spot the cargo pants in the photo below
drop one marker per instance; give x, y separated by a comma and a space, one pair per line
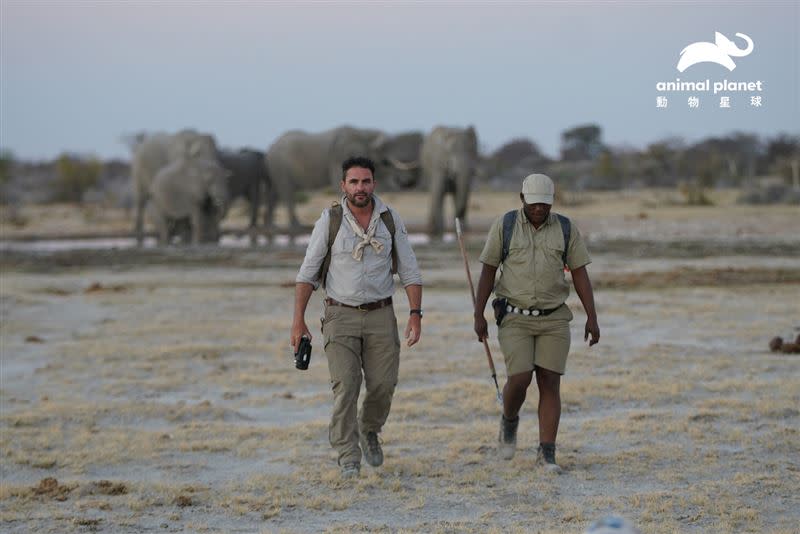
360, 344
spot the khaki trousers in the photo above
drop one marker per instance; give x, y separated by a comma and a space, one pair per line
360, 343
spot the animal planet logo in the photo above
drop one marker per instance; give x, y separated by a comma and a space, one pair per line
720, 52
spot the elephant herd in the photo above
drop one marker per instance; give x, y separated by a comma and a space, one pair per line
184, 184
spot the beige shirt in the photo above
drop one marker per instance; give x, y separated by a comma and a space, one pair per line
533, 273
354, 281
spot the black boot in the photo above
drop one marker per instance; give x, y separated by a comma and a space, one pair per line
508, 437
546, 456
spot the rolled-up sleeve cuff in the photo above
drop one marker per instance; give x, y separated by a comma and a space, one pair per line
412, 281
302, 279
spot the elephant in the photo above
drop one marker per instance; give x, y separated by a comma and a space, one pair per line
189, 188
153, 152
308, 161
449, 160
248, 178
168, 228
403, 171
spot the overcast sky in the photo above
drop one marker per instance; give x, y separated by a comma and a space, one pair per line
76, 75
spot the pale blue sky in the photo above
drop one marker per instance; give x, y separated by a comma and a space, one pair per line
78, 74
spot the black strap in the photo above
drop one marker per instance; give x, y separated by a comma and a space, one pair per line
336, 214
510, 218
388, 220
566, 229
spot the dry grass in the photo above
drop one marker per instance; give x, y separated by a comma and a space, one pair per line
181, 390
658, 212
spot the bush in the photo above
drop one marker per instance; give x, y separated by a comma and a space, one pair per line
75, 176
6, 162
694, 194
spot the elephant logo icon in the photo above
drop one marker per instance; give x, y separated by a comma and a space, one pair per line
720, 51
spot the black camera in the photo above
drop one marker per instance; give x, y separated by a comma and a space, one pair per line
303, 355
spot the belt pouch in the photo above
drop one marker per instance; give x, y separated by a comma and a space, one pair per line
500, 310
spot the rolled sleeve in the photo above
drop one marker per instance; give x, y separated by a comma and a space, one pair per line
315, 252
407, 267
577, 253
493, 249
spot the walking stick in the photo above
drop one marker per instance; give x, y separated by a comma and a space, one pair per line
472, 292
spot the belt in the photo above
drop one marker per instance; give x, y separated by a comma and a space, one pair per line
367, 306
530, 311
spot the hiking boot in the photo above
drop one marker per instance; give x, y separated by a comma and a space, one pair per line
371, 448
351, 470
508, 437
546, 456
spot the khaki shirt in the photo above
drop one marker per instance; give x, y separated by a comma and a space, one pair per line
357, 282
533, 273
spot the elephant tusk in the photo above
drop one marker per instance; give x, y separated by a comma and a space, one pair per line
403, 166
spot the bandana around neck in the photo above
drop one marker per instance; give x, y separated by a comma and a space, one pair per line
367, 238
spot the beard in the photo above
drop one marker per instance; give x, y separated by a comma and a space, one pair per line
360, 201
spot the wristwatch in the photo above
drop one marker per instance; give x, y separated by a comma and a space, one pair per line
418, 312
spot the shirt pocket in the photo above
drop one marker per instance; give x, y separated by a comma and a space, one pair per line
519, 254
554, 249
383, 236
386, 241
343, 245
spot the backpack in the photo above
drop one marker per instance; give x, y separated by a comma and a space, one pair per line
336, 215
510, 218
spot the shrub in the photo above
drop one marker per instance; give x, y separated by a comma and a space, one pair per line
75, 176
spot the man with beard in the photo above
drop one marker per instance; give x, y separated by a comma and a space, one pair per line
354, 264
534, 246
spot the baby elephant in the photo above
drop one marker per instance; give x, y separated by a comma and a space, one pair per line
192, 189
776, 344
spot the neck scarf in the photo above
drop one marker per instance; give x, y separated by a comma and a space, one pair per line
367, 238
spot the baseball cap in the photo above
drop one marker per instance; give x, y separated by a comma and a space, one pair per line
538, 189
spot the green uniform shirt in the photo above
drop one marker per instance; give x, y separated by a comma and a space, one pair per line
533, 273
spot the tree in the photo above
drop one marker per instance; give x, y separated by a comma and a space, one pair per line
666, 162
74, 176
782, 157
6, 164
582, 143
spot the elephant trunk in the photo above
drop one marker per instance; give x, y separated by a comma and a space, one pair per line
740, 52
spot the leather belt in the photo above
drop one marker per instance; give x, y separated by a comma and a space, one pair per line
530, 311
367, 306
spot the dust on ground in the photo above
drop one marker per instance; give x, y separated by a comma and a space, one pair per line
163, 396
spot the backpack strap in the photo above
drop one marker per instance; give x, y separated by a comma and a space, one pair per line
509, 219
388, 220
566, 229
335, 214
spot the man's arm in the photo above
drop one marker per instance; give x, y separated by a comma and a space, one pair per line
307, 279
302, 292
583, 287
414, 326
485, 285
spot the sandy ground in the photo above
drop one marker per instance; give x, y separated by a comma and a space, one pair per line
162, 397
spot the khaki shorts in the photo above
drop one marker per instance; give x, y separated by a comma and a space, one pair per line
529, 342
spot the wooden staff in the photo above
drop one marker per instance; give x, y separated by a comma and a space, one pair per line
472, 292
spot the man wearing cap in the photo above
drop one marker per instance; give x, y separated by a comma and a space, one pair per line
534, 320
